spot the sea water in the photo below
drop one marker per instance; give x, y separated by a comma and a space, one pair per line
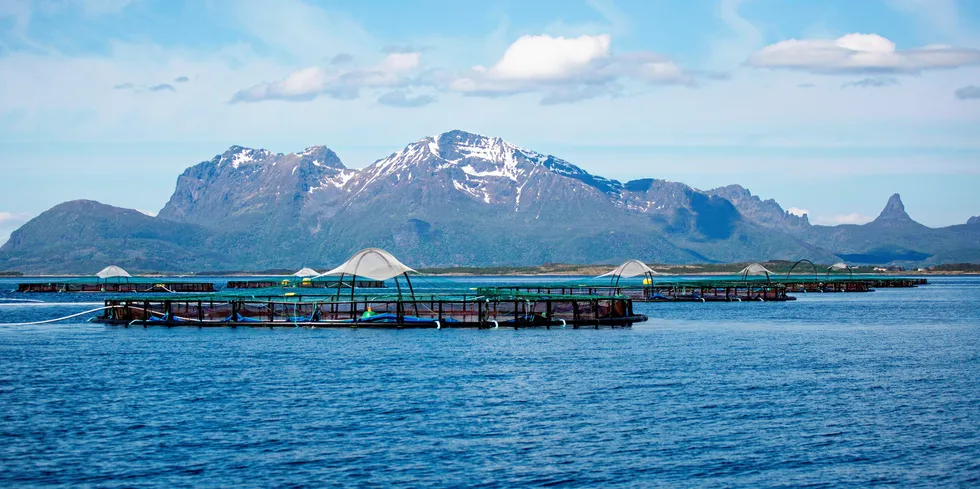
831, 390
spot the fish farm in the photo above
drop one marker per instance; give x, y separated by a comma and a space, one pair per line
681, 291
143, 287
113, 279
306, 283
516, 310
374, 290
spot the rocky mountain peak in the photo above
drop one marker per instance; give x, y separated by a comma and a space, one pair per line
458, 145
481, 157
320, 156
894, 210
766, 212
975, 220
238, 156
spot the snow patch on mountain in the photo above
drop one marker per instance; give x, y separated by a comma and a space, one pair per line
338, 180
243, 156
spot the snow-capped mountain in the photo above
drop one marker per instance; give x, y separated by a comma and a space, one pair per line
244, 184
464, 199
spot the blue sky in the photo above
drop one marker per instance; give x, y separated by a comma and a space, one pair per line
826, 106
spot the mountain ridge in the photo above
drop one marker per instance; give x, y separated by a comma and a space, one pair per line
460, 198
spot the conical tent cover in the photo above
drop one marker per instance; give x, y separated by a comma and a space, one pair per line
373, 263
112, 271
631, 268
306, 272
839, 266
755, 269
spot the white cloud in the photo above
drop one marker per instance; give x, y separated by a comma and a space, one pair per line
860, 53
343, 84
796, 211
7, 217
853, 218
10, 221
550, 58
567, 70
398, 62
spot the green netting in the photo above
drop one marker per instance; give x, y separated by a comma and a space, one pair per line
321, 295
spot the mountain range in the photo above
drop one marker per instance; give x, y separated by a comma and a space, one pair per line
452, 199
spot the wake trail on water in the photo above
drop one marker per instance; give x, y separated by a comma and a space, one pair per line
55, 320
47, 304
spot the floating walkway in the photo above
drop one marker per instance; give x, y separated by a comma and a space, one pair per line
137, 286
680, 291
285, 308
305, 283
113, 279
849, 284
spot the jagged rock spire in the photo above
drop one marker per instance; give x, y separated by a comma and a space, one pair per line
894, 210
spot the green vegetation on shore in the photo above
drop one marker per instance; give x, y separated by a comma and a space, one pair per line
957, 267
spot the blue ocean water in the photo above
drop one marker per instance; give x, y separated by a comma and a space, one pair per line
832, 390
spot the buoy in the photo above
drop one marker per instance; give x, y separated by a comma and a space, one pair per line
368, 313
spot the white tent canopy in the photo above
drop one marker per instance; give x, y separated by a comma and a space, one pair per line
372, 263
112, 271
755, 269
631, 268
306, 272
839, 266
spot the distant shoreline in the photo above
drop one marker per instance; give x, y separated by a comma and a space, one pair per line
585, 271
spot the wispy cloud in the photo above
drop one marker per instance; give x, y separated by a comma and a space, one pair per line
618, 20
796, 211
860, 53
158, 87
742, 39
341, 59
398, 98
968, 92
396, 70
872, 82
403, 49
853, 218
181, 79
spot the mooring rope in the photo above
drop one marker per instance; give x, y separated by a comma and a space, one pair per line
58, 319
